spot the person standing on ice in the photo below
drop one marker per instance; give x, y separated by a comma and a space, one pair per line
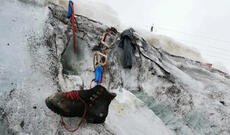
151, 28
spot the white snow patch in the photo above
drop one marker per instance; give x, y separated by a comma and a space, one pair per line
170, 45
129, 116
95, 10
220, 66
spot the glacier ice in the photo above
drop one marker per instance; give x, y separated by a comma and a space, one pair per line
184, 101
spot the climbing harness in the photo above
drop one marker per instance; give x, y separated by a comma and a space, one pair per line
71, 13
74, 95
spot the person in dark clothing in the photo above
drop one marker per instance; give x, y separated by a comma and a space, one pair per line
151, 29
127, 43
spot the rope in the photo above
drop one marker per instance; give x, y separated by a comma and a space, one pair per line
102, 74
73, 28
91, 83
74, 95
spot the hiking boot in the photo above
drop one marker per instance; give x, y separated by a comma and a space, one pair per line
73, 103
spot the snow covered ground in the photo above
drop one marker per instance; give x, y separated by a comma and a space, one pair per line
191, 99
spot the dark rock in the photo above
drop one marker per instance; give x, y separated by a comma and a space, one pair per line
222, 102
11, 92
173, 90
22, 124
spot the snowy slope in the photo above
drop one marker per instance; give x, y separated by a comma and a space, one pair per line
20, 72
176, 95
